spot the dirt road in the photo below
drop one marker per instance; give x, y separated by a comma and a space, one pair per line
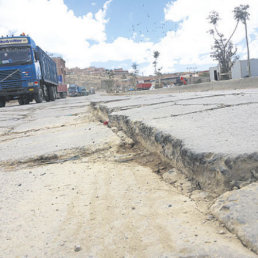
71, 187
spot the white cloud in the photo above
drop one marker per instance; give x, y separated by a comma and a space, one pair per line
56, 29
191, 44
122, 49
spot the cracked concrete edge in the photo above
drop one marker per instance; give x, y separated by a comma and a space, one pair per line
212, 172
238, 211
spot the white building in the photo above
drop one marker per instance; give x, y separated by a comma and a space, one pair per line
214, 73
240, 68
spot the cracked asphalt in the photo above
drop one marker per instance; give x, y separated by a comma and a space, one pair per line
72, 187
225, 121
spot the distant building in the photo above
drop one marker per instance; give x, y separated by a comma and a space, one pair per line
86, 71
170, 80
94, 71
214, 73
120, 71
108, 85
240, 68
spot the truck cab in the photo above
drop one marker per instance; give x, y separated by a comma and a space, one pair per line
22, 72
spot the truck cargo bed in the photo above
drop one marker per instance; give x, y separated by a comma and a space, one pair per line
48, 68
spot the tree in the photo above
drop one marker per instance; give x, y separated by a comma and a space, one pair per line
157, 71
135, 73
223, 49
110, 82
155, 62
110, 74
135, 68
242, 15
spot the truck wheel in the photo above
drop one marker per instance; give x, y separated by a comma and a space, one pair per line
2, 102
52, 93
39, 96
55, 92
21, 101
26, 101
45, 93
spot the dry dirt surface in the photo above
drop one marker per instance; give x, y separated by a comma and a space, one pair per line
103, 200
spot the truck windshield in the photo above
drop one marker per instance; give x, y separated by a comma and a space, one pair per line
15, 55
72, 89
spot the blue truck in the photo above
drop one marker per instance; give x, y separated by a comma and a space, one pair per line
27, 73
75, 91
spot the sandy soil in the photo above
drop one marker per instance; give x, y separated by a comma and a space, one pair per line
107, 207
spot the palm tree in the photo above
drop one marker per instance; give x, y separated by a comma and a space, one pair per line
135, 73
156, 56
157, 71
241, 14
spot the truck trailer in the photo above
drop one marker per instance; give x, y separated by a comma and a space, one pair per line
26, 72
62, 86
143, 86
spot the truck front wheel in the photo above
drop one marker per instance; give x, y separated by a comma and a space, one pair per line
39, 96
2, 102
26, 101
21, 101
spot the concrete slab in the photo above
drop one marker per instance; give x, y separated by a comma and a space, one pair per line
44, 122
40, 129
238, 210
160, 97
212, 136
216, 130
161, 111
55, 141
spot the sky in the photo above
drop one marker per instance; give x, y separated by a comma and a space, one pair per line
118, 33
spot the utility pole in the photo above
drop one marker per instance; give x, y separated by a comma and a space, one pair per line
248, 52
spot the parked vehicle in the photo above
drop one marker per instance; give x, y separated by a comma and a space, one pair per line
62, 87
92, 90
180, 81
62, 91
83, 91
75, 91
26, 72
143, 86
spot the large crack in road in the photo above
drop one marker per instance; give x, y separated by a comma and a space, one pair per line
89, 188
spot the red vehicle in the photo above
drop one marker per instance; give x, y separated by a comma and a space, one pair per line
143, 86
62, 91
183, 80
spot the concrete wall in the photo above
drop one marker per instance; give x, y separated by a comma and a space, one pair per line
246, 83
240, 69
236, 70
